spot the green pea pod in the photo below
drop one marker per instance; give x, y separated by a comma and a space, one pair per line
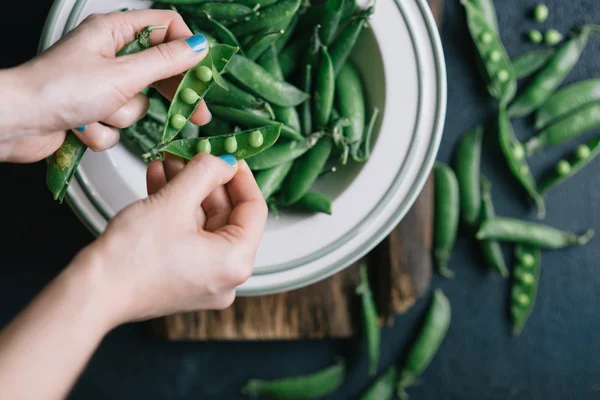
350, 101
284, 39
234, 97
447, 206
286, 115
345, 41
492, 252
283, 152
259, 3
216, 127
313, 386
178, 2
305, 108
223, 34
262, 42
488, 10
332, 15
383, 387
305, 172
224, 12
137, 142
570, 127
141, 42
531, 62
249, 120
575, 161
428, 342
276, 14
514, 153
362, 151
315, 202
530, 234
566, 101
157, 110
370, 320
260, 82
314, 15
269, 180
218, 57
188, 148
495, 63
551, 76
290, 57
468, 167
324, 90
526, 276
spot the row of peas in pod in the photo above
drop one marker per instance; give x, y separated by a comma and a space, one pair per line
561, 115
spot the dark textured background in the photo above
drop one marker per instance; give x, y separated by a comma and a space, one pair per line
556, 357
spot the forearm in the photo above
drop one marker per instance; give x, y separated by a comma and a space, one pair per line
45, 348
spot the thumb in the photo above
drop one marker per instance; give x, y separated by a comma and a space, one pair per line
163, 61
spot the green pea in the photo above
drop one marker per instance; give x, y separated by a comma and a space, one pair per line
526, 278
503, 75
178, 121
495, 56
582, 152
522, 299
231, 144
189, 96
524, 170
204, 73
541, 13
563, 167
256, 139
553, 37
487, 37
203, 146
519, 151
535, 36
527, 260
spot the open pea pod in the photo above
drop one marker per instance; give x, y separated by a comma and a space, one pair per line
181, 107
241, 145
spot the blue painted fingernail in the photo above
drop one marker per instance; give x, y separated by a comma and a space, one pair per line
229, 159
81, 128
198, 43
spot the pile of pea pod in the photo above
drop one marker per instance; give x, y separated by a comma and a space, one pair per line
561, 115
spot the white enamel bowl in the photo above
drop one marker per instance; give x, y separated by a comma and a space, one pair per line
400, 59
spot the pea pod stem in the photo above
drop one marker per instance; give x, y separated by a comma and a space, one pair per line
370, 320
530, 233
446, 216
468, 167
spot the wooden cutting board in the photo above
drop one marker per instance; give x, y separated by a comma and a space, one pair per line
399, 270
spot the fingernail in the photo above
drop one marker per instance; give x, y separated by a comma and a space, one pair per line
229, 159
198, 43
81, 128
209, 116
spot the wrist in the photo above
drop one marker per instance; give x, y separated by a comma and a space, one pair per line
21, 113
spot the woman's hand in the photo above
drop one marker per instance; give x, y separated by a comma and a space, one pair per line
79, 82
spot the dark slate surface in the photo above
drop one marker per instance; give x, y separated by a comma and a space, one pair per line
556, 357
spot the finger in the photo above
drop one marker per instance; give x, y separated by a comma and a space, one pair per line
28, 149
202, 175
134, 110
168, 87
155, 177
98, 137
217, 208
173, 166
249, 215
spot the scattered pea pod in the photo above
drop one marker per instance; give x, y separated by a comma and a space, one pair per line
269, 180
526, 276
492, 252
324, 90
63, 164
566, 101
570, 127
468, 167
350, 102
193, 87
571, 164
304, 387
279, 13
499, 72
283, 152
249, 120
447, 205
531, 62
344, 43
514, 153
241, 145
256, 79
370, 320
429, 340
332, 15
315, 202
530, 234
383, 387
551, 76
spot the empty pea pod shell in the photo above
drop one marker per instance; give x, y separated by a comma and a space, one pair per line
567, 100
570, 127
526, 277
447, 210
492, 252
514, 153
529, 63
283, 152
577, 160
312, 386
269, 180
429, 340
468, 167
384, 387
529, 233
188, 148
279, 13
218, 57
371, 328
551, 76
